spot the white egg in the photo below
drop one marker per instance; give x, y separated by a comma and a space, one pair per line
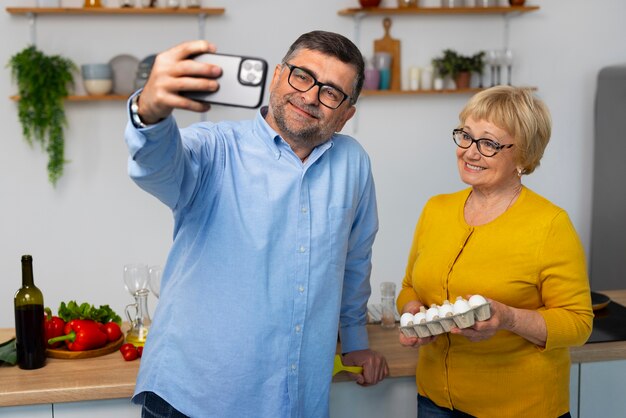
432, 313
419, 318
461, 306
446, 309
477, 300
406, 319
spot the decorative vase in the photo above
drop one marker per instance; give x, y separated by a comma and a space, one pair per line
49, 3
517, 2
462, 80
369, 3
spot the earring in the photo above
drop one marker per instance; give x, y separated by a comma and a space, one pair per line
520, 171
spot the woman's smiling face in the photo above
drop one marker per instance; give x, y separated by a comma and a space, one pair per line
489, 173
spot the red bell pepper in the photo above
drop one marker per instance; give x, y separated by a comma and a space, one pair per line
81, 335
54, 328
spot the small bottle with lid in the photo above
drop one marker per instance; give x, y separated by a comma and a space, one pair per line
29, 320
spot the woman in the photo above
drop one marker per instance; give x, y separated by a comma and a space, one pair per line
505, 242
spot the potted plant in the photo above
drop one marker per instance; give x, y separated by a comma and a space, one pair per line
43, 82
458, 66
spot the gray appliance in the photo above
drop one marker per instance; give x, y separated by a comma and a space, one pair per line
607, 264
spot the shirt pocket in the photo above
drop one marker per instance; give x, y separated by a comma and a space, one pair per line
340, 221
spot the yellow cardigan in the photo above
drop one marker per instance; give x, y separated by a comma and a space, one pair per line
530, 257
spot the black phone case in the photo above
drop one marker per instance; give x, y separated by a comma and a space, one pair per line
242, 82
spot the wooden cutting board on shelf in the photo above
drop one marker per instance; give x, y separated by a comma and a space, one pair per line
391, 46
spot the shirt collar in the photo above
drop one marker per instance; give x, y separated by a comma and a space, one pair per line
274, 141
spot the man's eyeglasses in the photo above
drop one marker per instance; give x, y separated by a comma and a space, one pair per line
301, 80
486, 147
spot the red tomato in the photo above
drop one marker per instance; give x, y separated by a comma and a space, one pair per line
126, 347
140, 350
130, 354
112, 330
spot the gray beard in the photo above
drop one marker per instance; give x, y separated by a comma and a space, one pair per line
311, 136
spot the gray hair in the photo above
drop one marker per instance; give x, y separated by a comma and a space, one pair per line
334, 45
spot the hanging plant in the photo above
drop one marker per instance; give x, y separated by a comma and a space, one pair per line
42, 83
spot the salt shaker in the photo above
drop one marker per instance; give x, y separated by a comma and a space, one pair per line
388, 309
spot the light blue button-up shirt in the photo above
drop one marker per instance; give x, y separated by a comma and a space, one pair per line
271, 258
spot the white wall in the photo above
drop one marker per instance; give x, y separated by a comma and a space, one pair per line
83, 231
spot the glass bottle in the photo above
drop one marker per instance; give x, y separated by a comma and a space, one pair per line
388, 309
140, 321
29, 320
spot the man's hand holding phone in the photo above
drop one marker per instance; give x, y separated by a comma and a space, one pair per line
172, 73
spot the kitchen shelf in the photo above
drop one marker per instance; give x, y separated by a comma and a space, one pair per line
436, 10
472, 90
418, 92
90, 98
113, 11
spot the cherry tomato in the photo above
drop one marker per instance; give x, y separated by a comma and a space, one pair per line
130, 354
126, 347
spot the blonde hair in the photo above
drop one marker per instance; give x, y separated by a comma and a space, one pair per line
521, 114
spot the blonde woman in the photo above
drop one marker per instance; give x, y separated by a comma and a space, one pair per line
501, 240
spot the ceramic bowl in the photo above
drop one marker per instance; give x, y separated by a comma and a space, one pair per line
98, 86
96, 71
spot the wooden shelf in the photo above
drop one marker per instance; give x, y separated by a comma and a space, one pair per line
114, 11
379, 93
436, 10
418, 92
90, 98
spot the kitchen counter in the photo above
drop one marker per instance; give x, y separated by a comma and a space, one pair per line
110, 377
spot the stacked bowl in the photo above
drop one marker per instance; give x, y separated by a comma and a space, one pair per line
97, 78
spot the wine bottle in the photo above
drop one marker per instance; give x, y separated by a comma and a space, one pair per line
29, 320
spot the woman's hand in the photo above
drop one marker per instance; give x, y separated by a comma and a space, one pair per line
525, 323
414, 307
415, 342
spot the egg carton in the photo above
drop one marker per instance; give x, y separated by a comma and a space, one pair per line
443, 325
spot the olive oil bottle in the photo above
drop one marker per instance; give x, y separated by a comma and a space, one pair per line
29, 320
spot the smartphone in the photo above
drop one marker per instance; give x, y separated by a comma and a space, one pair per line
242, 82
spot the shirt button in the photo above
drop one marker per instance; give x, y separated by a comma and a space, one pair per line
302, 249
293, 367
304, 209
298, 328
301, 289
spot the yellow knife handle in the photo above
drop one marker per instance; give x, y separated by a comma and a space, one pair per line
353, 369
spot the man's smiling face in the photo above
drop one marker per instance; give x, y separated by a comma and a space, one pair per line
299, 117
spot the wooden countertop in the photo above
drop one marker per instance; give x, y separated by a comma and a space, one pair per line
110, 377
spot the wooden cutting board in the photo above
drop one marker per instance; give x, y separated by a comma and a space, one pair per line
392, 46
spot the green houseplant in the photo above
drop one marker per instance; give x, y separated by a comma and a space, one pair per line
459, 66
43, 82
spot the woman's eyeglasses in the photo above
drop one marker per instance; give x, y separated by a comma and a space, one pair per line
487, 147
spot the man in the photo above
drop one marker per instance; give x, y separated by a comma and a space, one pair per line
274, 224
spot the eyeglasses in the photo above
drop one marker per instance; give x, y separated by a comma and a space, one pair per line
301, 80
486, 147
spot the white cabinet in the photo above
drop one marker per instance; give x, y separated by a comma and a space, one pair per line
393, 397
108, 408
397, 397
602, 389
29, 411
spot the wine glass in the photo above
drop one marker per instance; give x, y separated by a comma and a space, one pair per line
507, 59
136, 278
155, 273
